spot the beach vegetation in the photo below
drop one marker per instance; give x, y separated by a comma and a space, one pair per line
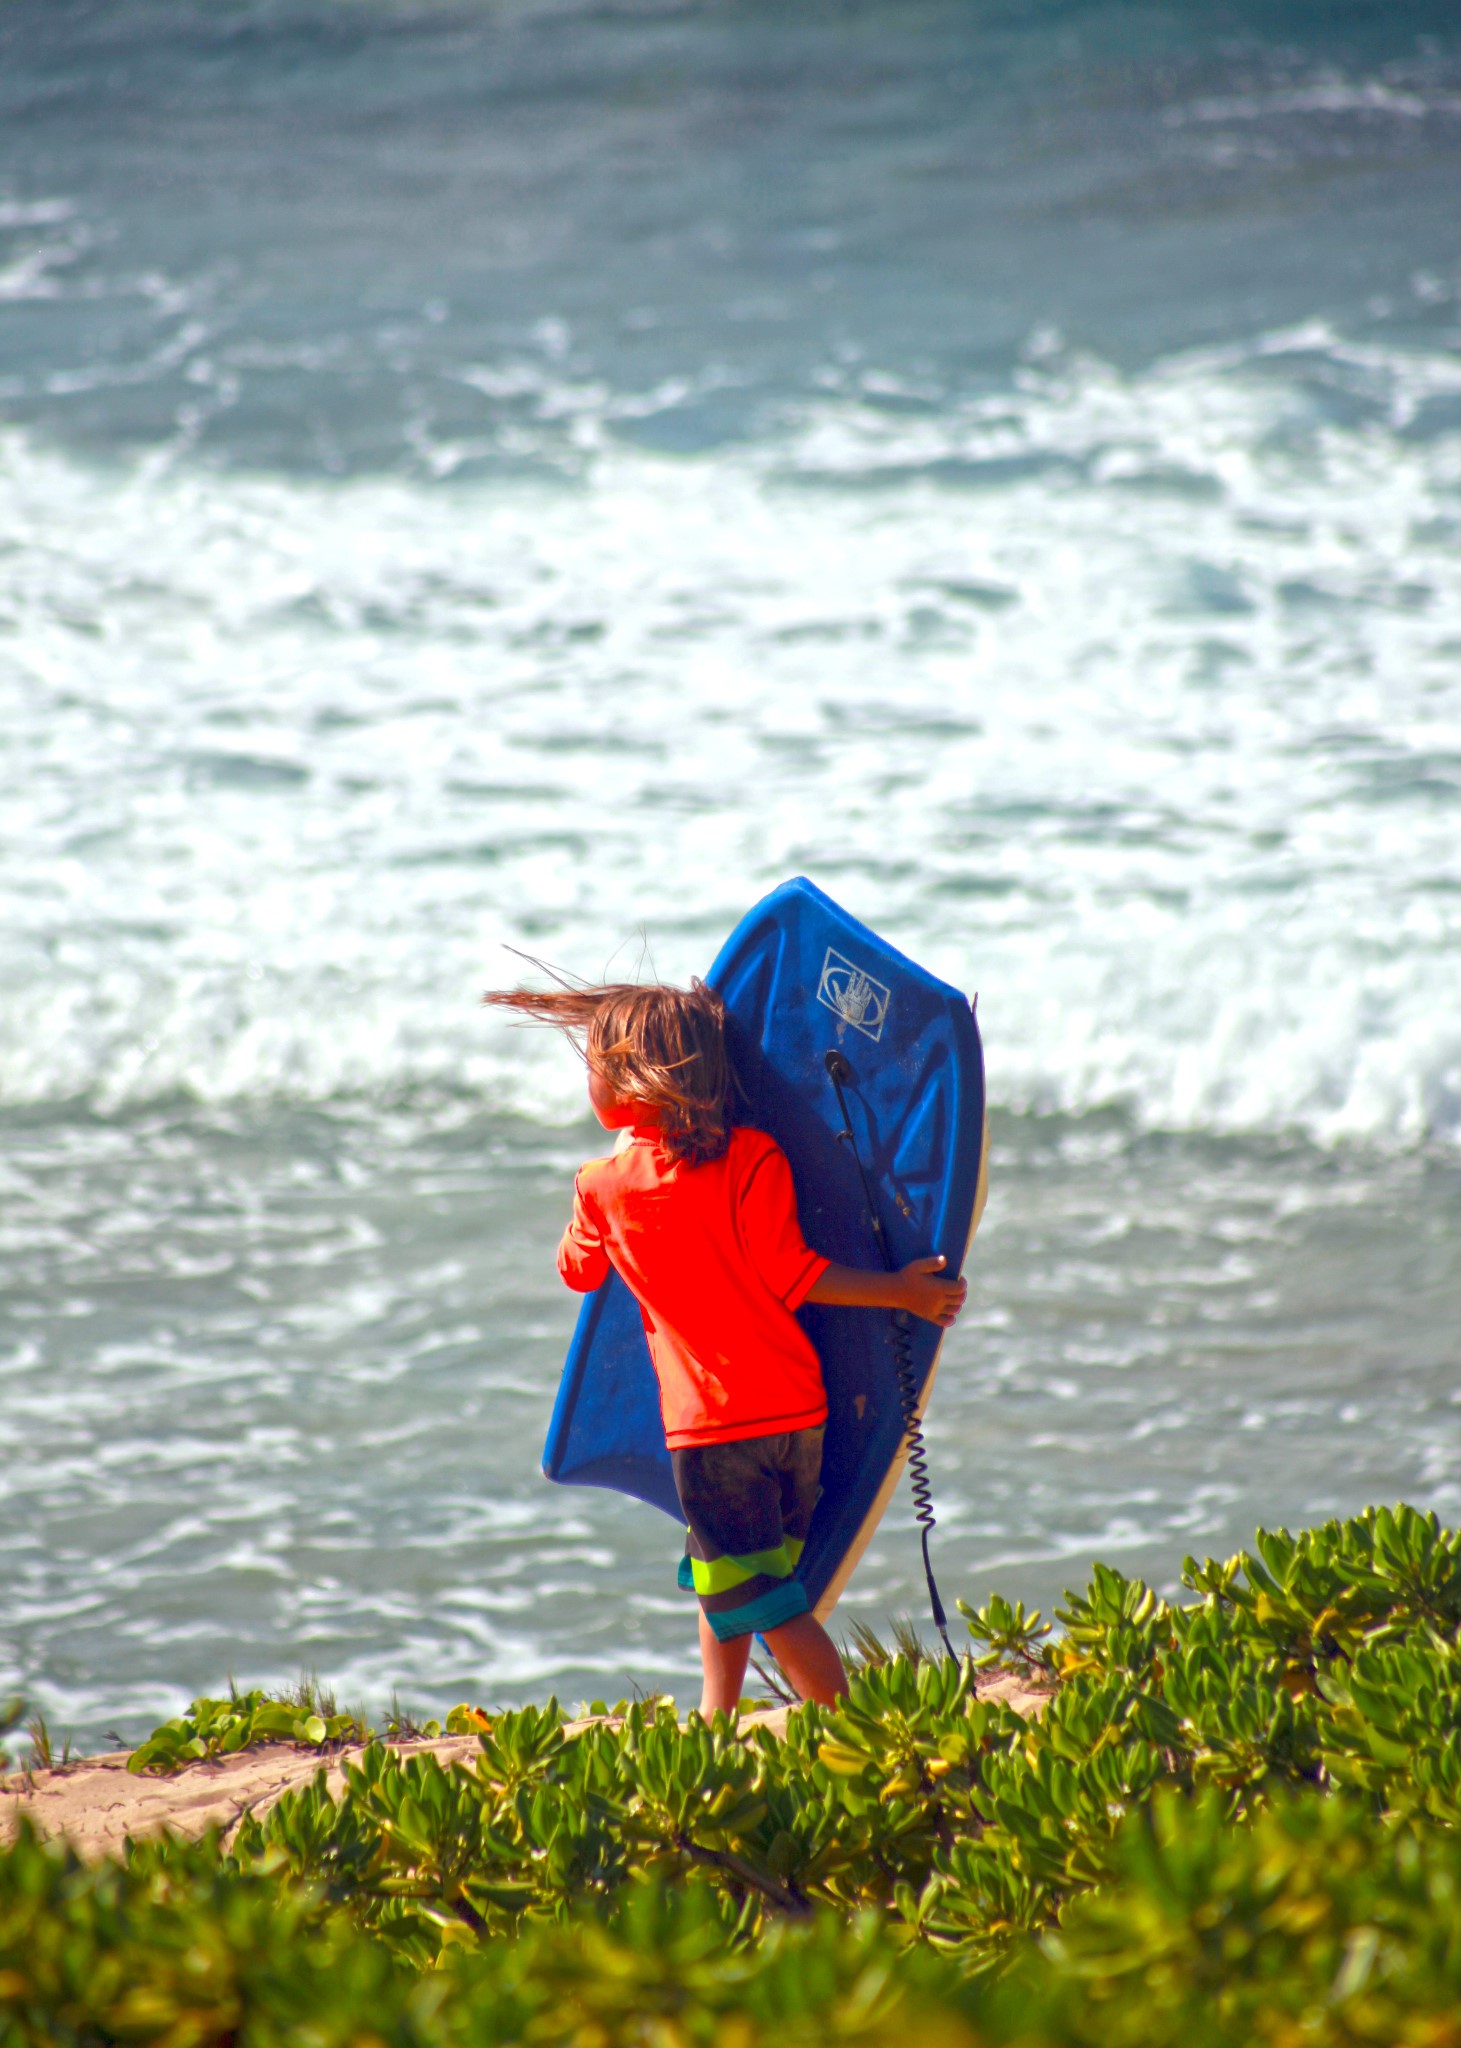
216, 1728
1235, 1821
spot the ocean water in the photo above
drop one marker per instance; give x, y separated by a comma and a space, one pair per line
485, 476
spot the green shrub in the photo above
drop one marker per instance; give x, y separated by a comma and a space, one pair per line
214, 1728
1306, 1924
179, 1945
1235, 1822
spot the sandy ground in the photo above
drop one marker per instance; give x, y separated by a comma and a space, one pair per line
98, 1804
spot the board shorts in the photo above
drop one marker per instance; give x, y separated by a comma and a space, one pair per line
748, 1506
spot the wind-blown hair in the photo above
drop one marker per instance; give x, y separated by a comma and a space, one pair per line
654, 1044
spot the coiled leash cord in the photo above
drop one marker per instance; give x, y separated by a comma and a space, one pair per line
839, 1070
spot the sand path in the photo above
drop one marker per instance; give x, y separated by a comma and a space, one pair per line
97, 1804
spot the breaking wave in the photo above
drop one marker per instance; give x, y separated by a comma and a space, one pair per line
1131, 702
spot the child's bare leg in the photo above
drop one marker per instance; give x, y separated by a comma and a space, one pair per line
724, 1665
808, 1656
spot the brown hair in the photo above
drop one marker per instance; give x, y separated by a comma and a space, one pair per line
654, 1044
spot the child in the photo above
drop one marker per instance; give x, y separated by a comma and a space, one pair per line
698, 1218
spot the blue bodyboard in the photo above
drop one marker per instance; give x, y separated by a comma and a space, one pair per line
800, 978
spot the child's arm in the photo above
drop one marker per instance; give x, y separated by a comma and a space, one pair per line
918, 1289
583, 1264
769, 1227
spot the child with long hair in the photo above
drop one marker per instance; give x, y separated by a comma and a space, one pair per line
697, 1215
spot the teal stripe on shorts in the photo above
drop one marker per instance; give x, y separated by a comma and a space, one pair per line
783, 1603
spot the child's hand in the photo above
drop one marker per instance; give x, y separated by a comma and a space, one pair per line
926, 1294
919, 1290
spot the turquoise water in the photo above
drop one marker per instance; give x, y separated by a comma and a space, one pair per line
538, 476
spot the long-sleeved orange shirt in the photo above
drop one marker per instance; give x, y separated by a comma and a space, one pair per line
715, 1257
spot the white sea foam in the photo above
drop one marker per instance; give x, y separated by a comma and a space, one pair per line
1328, 93
1131, 703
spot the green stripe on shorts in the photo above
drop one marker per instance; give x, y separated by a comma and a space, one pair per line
721, 1574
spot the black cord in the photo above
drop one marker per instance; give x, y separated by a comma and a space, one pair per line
839, 1069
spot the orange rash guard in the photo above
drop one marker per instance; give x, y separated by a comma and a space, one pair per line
715, 1257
